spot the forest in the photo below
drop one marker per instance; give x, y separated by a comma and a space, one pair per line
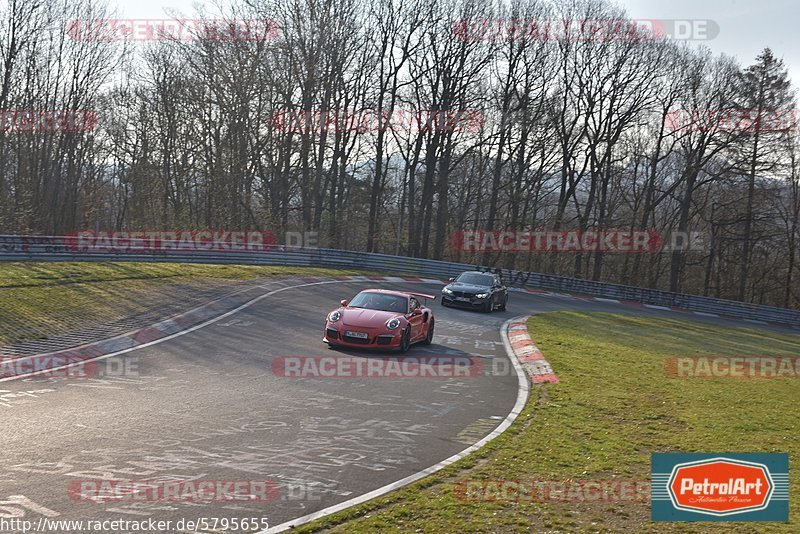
391, 125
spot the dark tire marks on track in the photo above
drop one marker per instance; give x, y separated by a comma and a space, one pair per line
207, 406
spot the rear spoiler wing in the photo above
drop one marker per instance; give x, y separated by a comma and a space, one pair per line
423, 295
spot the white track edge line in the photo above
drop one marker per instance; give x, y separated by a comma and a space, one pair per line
172, 336
522, 397
523, 390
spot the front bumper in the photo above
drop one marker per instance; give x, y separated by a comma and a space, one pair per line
473, 302
336, 336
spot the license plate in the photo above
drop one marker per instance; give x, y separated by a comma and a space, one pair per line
360, 335
462, 299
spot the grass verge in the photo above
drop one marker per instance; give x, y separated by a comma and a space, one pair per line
37, 274
613, 407
41, 299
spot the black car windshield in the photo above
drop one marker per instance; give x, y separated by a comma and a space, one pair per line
476, 279
380, 301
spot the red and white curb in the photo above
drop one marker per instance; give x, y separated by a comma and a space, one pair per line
165, 330
532, 359
529, 356
523, 390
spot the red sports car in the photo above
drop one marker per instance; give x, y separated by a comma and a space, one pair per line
379, 318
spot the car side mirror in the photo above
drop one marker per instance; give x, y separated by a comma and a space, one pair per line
452, 279
344, 303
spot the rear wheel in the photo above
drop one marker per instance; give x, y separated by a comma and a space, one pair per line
405, 341
429, 339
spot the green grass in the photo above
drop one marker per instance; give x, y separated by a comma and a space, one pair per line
29, 274
613, 407
41, 299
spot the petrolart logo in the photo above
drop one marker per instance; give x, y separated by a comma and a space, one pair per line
720, 487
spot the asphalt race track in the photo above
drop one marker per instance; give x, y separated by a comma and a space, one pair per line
207, 406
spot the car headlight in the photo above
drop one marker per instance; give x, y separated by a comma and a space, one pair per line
335, 316
391, 324
447, 291
482, 295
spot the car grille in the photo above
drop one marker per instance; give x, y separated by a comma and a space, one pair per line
357, 340
332, 334
384, 340
462, 294
466, 304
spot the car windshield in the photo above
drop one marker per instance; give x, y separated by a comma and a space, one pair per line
380, 301
476, 279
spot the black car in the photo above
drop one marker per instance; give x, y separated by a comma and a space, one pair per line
477, 290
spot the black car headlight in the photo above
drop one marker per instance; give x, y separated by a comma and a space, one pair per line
447, 291
482, 295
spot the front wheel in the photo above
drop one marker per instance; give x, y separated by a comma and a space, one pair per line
488, 305
505, 302
405, 341
429, 339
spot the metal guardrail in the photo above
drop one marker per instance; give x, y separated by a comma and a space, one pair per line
53, 248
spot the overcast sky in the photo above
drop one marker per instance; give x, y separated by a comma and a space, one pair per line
745, 26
